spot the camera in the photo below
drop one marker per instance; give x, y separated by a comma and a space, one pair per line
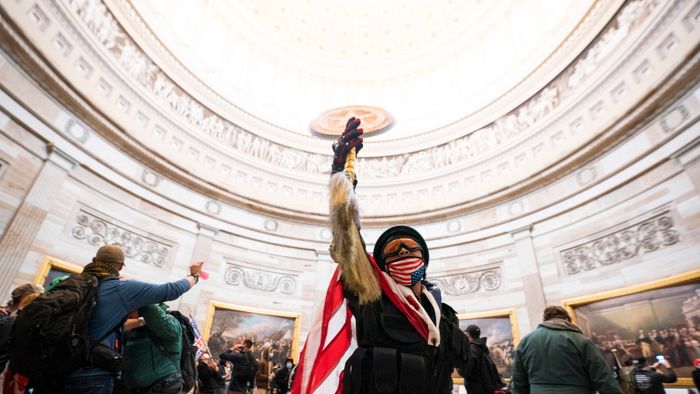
660, 358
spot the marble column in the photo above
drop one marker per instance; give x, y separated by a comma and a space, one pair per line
25, 224
202, 248
530, 274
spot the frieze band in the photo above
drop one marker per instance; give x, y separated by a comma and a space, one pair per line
635, 240
259, 279
469, 282
136, 63
98, 231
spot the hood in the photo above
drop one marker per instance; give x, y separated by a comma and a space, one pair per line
560, 324
481, 344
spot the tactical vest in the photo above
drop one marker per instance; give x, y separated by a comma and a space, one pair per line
393, 358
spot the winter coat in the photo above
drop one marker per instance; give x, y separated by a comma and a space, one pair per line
480, 374
262, 376
557, 358
145, 361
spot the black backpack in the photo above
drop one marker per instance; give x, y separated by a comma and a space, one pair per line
188, 362
249, 369
6, 322
49, 338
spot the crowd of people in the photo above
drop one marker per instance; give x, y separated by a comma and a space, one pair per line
99, 332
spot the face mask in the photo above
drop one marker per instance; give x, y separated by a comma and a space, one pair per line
289, 365
408, 271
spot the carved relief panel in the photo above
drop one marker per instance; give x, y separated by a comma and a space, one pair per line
98, 229
639, 238
261, 279
469, 281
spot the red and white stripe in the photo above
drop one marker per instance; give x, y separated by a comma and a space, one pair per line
401, 270
332, 340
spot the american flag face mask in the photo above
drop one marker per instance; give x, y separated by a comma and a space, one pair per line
408, 271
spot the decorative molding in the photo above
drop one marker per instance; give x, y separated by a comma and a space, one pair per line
640, 238
260, 279
98, 229
674, 118
462, 283
77, 130
213, 207
271, 225
331, 123
150, 178
103, 25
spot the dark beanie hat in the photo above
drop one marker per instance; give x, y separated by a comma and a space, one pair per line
398, 232
112, 254
473, 330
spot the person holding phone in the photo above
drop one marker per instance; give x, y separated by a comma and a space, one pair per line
651, 379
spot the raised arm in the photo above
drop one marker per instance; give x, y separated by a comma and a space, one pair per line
347, 248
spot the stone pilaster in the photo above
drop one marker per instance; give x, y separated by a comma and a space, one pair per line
24, 226
202, 248
325, 266
530, 274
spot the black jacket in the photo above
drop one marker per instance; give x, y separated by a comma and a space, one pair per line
480, 374
211, 380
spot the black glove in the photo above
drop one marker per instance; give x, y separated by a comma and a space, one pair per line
351, 138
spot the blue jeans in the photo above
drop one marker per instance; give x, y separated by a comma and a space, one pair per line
100, 384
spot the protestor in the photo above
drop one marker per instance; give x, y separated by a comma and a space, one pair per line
8, 314
556, 358
262, 375
15, 383
650, 379
280, 378
152, 353
244, 367
407, 339
210, 375
480, 373
84, 353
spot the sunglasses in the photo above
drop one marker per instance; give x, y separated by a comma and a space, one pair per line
393, 248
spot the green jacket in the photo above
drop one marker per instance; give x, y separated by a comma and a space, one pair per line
557, 358
145, 362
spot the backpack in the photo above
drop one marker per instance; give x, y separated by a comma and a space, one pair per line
188, 353
49, 338
5, 331
249, 369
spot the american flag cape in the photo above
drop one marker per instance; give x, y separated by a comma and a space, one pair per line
198, 339
331, 339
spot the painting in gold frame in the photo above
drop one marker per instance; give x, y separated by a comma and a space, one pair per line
52, 268
501, 329
228, 324
661, 317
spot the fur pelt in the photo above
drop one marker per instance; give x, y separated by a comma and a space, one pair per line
347, 248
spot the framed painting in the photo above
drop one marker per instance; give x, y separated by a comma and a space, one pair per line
501, 330
659, 318
275, 331
52, 268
